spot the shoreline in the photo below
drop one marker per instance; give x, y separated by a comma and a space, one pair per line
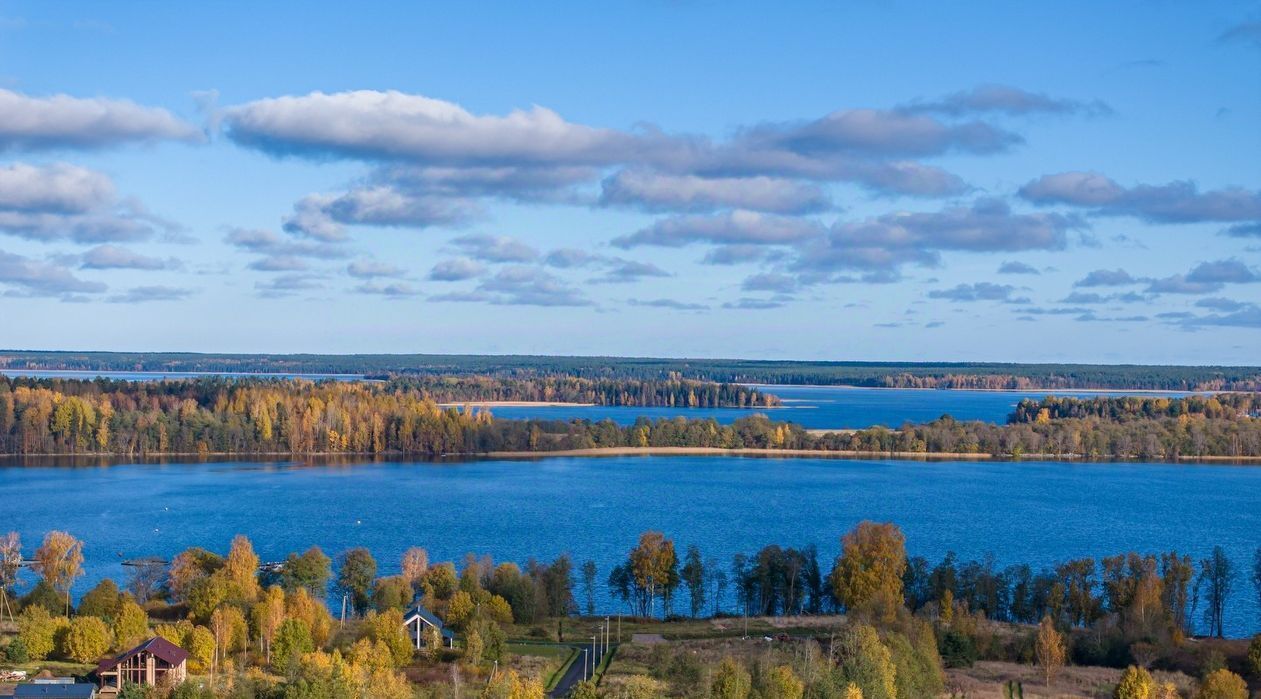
826, 453
14, 460
1049, 391
514, 404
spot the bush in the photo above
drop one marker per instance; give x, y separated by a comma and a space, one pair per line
1222, 684
956, 649
16, 652
87, 639
38, 631
1254, 656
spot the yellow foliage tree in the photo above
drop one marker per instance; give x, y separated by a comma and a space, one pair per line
1049, 649
868, 573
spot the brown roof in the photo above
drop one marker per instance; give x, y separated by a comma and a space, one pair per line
161, 648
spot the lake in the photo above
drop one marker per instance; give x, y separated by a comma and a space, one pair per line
1035, 512
827, 407
812, 407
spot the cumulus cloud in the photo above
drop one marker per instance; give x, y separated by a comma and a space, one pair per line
114, 257
731, 228
394, 126
668, 304
146, 294
734, 254
279, 263
567, 258
456, 269
393, 290
1006, 100
273, 245
1107, 277
1246, 317
287, 285
495, 248
1221, 304
1230, 271
654, 191
324, 216
752, 304
68, 202
1016, 267
1179, 284
61, 121
892, 240
433, 148
521, 285
1175, 202
371, 269
27, 277
770, 281
622, 271
980, 291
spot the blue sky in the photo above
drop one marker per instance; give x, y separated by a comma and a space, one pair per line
918, 181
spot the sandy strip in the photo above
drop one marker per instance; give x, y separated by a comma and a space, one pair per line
824, 453
513, 404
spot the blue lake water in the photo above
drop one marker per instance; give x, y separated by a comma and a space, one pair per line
812, 407
1035, 512
825, 407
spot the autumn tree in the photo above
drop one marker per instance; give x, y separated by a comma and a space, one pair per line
653, 566
865, 662
309, 570
1049, 649
293, 638
356, 569
59, 560
1222, 684
731, 681
10, 564
415, 565
240, 569
780, 682
87, 639
130, 624
38, 630
1136, 683
266, 617
868, 573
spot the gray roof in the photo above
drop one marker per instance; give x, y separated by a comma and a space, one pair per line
429, 617
51, 690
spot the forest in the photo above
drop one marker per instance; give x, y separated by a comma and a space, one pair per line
265, 630
941, 375
278, 416
670, 393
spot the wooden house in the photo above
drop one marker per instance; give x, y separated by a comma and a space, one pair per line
419, 620
156, 662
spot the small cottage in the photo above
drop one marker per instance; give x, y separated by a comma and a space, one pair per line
418, 620
155, 662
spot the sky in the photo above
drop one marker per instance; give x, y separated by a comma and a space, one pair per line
1045, 182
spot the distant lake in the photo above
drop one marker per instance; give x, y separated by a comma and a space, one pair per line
165, 375
812, 407
1035, 512
826, 407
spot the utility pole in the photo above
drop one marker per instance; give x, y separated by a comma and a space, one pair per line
606, 634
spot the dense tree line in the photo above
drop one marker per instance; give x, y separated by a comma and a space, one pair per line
228, 416
872, 374
670, 393
1122, 408
256, 629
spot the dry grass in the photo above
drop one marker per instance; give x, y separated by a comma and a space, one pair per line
985, 680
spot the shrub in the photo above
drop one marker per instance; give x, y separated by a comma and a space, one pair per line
956, 649
86, 640
1222, 684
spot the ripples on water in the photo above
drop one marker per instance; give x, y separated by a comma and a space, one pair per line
1035, 512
